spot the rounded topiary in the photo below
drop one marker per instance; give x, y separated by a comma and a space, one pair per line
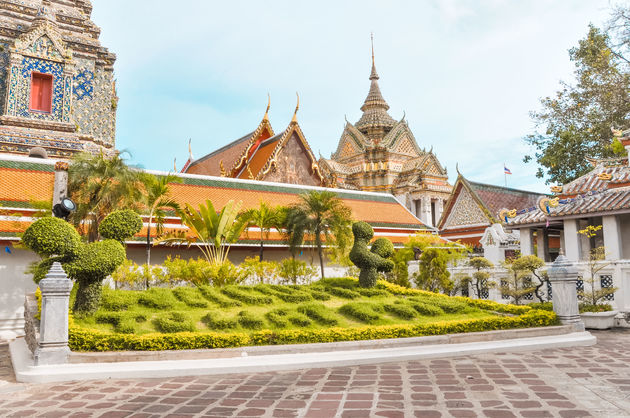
120, 225
51, 236
370, 262
93, 263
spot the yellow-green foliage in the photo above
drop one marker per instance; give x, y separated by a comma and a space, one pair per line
82, 339
191, 297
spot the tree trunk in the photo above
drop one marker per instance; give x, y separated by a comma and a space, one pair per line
146, 281
320, 251
261, 245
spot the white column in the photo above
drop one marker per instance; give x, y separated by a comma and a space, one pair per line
439, 207
572, 244
527, 247
612, 237
426, 211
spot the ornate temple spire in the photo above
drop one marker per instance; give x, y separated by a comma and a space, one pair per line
375, 107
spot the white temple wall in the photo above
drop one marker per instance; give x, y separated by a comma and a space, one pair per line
14, 284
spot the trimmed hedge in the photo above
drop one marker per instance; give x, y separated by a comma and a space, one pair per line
245, 295
81, 339
213, 295
157, 298
118, 300
342, 292
120, 225
51, 236
318, 313
401, 311
361, 311
174, 322
250, 321
426, 309
190, 297
214, 321
319, 295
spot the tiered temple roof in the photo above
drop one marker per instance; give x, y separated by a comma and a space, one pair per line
474, 206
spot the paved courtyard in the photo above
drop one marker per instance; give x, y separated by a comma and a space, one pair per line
588, 381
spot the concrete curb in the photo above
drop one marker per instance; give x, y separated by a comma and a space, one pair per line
26, 372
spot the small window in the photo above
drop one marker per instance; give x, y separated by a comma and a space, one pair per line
41, 92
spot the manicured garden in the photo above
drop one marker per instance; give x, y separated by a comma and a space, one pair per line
326, 311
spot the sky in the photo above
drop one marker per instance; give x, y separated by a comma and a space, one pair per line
466, 73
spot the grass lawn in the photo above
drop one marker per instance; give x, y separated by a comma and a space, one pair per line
249, 309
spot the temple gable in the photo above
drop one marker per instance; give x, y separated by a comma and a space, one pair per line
465, 211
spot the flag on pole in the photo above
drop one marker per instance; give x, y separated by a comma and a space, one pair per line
506, 170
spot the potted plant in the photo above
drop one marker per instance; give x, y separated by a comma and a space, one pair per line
596, 314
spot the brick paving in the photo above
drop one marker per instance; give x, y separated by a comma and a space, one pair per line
567, 383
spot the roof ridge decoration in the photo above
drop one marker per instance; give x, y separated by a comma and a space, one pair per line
393, 137
352, 132
238, 165
272, 161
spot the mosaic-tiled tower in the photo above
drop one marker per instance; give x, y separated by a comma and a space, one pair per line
57, 88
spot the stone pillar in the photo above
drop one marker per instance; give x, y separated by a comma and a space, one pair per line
612, 237
439, 208
563, 275
61, 182
572, 244
527, 247
52, 347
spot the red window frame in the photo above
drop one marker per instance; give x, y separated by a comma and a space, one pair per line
41, 92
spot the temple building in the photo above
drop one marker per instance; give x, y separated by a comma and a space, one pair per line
263, 155
381, 154
57, 88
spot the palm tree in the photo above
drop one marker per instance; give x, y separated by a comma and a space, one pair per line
100, 185
157, 198
321, 215
213, 231
265, 218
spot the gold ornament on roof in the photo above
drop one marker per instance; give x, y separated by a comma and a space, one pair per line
223, 172
604, 176
266, 117
250, 174
297, 107
556, 189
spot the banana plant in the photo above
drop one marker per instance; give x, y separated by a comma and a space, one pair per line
213, 231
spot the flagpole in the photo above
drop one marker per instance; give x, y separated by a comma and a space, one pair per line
504, 174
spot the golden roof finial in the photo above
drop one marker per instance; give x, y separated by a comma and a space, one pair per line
175, 164
223, 172
266, 117
250, 174
297, 107
190, 148
372, 38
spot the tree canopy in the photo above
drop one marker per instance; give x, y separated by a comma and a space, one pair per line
576, 122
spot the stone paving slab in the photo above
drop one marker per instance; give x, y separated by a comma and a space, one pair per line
578, 382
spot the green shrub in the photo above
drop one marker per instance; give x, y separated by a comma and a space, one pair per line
261, 271
299, 319
278, 317
425, 309
450, 305
545, 306
589, 307
126, 327
245, 295
202, 272
371, 292
174, 322
215, 321
157, 298
250, 321
360, 311
120, 225
190, 297
318, 313
296, 271
342, 292
118, 300
123, 322
401, 311
51, 236
81, 339
345, 282
91, 265
319, 295
213, 295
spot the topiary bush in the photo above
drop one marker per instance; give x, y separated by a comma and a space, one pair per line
278, 317
370, 262
92, 264
299, 319
118, 300
246, 295
426, 309
401, 311
120, 225
52, 236
342, 292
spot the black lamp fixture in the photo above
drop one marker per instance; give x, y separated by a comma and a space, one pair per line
64, 209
